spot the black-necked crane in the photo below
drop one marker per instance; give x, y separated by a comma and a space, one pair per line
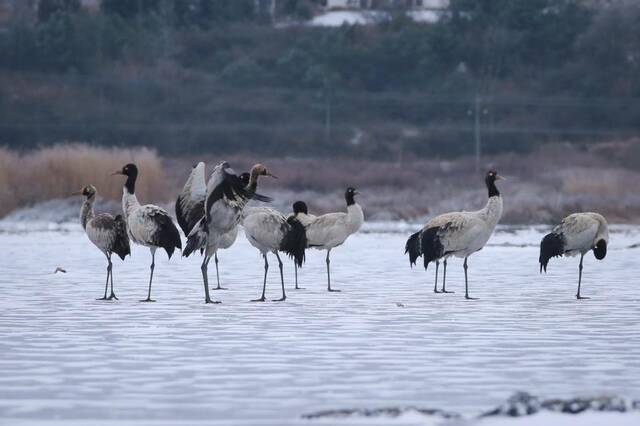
106, 232
227, 239
458, 234
190, 201
190, 209
227, 196
301, 212
577, 234
331, 230
270, 231
147, 225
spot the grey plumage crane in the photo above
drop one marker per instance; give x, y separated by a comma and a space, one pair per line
578, 233
106, 232
331, 230
190, 209
301, 212
147, 225
270, 231
227, 196
457, 234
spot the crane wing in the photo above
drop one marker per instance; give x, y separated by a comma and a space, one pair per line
327, 229
190, 203
457, 231
229, 187
579, 231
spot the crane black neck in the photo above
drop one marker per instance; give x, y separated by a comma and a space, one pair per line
493, 190
349, 197
300, 207
130, 184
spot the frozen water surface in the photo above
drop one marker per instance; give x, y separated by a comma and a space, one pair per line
386, 340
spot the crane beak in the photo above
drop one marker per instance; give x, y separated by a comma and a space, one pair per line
498, 177
356, 192
119, 172
271, 175
77, 192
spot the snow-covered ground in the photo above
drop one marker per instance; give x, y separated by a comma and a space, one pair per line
385, 341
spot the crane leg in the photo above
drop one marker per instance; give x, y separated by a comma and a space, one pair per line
264, 284
444, 278
295, 266
112, 295
580, 279
215, 258
106, 286
284, 296
329, 273
205, 279
435, 286
466, 282
153, 265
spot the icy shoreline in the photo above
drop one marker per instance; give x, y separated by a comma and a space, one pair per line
521, 408
385, 341
624, 235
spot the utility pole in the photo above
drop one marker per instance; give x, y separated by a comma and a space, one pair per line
139, 16
476, 130
327, 111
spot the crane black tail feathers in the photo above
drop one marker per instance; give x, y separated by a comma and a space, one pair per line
600, 250
172, 241
294, 242
414, 248
552, 245
122, 249
432, 247
121, 246
197, 238
424, 243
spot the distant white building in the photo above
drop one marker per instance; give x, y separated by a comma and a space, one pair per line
346, 4
370, 12
12, 11
430, 4
91, 5
383, 4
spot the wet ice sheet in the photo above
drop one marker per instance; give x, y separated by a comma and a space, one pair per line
385, 340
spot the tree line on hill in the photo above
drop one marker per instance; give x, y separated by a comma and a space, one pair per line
187, 76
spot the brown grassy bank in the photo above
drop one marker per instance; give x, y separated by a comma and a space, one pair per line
542, 187
56, 172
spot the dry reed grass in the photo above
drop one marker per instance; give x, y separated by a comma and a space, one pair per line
542, 186
56, 172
